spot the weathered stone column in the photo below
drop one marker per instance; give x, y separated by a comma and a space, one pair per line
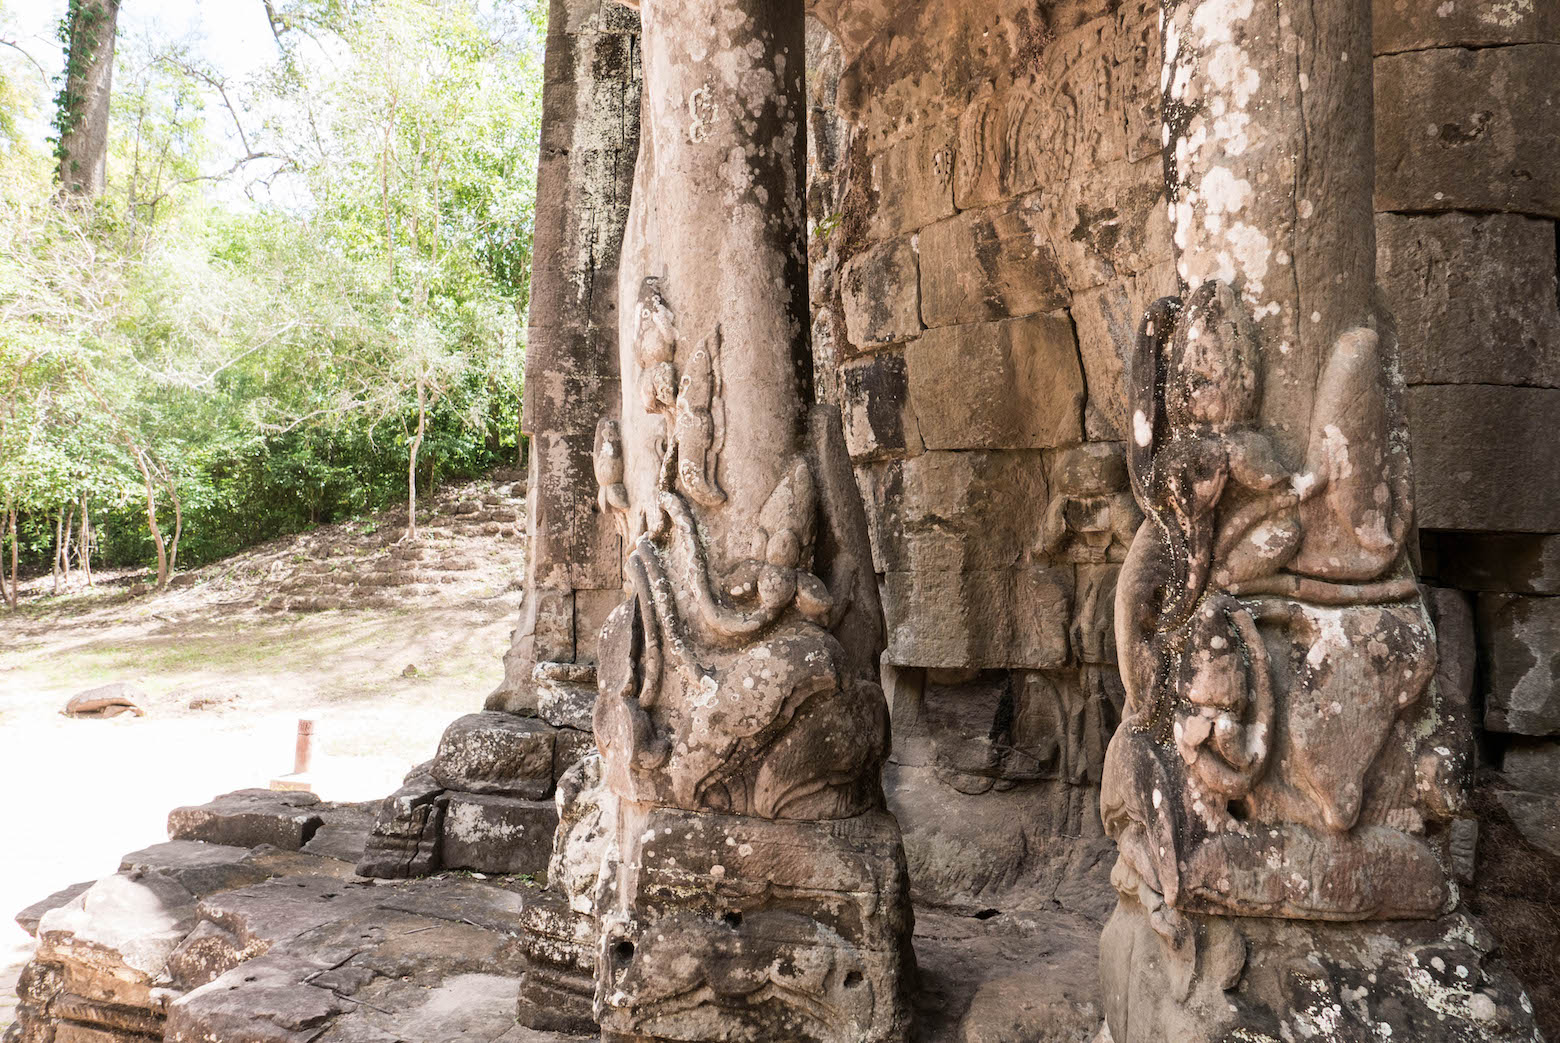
1284, 785
590, 136
748, 882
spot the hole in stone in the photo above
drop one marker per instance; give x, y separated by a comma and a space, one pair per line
251, 978
1238, 810
852, 979
986, 914
623, 952
732, 919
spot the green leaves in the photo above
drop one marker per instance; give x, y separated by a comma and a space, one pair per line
266, 352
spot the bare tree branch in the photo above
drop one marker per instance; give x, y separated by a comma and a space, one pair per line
42, 72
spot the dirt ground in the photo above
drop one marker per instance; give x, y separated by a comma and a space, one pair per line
224, 682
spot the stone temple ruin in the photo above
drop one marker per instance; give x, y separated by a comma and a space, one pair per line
1040, 529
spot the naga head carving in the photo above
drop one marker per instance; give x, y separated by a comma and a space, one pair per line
1212, 376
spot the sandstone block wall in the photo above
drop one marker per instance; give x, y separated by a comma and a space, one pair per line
988, 227
1467, 197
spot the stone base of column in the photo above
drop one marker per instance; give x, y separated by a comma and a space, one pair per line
558, 989
1173, 978
737, 928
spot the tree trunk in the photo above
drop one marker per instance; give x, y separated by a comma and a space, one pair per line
59, 548
69, 510
411, 467
151, 518
83, 115
178, 528
11, 519
84, 549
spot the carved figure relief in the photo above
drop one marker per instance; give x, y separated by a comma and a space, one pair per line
1271, 636
741, 669
687, 399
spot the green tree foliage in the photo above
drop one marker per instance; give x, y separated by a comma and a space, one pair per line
227, 347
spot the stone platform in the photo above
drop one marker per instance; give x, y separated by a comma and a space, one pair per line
263, 932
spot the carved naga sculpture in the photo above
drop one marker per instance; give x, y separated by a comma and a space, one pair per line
1271, 635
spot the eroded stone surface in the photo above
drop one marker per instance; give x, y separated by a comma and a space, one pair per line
497, 753
495, 834
1401, 25
1015, 384
1468, 130
881, 295
1477, 293
1519, 637
249, 817
1276, 979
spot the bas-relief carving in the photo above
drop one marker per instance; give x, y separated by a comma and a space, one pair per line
1274, 644
743, 755
691, 705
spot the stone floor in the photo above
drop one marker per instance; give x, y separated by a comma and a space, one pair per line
250, 926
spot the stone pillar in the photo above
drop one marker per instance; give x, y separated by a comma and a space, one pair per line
746, 879
1283, 785
493, 777
590, 136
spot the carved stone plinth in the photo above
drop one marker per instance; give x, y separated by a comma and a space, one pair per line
735, 927
1271, 981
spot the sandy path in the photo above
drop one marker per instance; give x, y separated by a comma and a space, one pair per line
84, 792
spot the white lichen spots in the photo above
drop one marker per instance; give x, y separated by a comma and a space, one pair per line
1316, 316
701, 113
718, 871
1482, 1008
1159, 798
1305, 82
1252, 251
1507, 14
1223, 192
1331, 640
1215, 21
1142, 430
745, 850
1445, 10
1305, 208
1335, 450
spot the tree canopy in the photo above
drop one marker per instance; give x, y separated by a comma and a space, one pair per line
229, 343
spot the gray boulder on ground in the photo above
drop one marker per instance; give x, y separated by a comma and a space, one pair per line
110, 700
